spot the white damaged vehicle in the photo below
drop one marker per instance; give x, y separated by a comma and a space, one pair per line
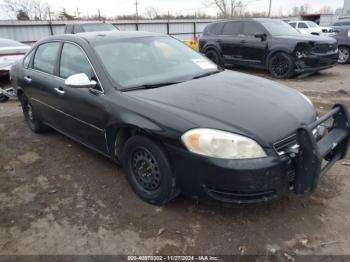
10, 52
311, 28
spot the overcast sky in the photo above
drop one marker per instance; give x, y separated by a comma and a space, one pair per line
119, 7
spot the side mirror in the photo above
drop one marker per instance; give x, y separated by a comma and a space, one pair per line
260, 35
80, 81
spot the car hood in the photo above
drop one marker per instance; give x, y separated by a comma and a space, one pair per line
307, 38
255, 107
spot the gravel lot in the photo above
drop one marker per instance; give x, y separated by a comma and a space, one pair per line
57, 197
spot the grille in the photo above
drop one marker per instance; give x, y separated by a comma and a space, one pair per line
285, 144
324, 48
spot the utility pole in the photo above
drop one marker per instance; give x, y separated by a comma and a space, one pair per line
270, 8
99, 14
137, 9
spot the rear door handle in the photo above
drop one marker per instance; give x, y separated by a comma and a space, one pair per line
59, 90
27, 79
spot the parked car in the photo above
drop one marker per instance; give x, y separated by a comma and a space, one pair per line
340, 24
343, 38
176, 121
74, 28
311, 28
267, 43
10, 52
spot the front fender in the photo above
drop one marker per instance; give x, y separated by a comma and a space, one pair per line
278, 49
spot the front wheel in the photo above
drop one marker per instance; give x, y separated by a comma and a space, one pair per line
344, 55
31, 118
149, 171
281, 66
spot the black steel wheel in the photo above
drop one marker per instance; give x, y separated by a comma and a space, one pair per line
281, 65
149, 171
32, 120
214, 56
146, 169
344, 55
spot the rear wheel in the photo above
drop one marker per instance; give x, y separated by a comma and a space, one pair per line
149, 171
31, 118
281, 65
344, 55
214, 56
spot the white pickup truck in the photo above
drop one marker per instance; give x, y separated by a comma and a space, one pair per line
311, 28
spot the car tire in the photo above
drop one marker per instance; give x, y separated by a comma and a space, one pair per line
148, 170
214, 56
3, 98
281, 65
344, 55
31, 118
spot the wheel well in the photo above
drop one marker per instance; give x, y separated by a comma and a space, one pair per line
344, 46
273, 54
19, 93
118, 136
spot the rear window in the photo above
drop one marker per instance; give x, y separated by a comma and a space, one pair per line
232, 28
98, 27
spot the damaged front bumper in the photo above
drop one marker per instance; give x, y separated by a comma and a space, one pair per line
297, 168
314, 63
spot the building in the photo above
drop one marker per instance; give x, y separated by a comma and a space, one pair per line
346, 8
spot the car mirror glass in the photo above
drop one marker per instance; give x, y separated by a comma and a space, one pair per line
80, 81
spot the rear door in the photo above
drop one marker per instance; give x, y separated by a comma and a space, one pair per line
230, 41
40, 82
253, 49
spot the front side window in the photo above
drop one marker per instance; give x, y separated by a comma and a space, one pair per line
232, 28
45, 57
312, 24
251, 28
74, 61
134, 62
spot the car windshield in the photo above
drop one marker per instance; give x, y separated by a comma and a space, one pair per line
312, 24
141, 61
98, 27
276, 28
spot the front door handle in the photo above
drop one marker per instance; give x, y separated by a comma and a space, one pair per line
27, 79
59, 90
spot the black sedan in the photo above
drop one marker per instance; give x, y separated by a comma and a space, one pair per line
175, 121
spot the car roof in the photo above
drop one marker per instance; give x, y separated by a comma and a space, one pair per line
93, 37
247, 20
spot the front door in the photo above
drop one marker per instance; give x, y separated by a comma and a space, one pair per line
84, 109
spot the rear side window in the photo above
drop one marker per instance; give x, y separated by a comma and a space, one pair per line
251, 28
45, 57
302, 25
293, 25
74, 61
232, 28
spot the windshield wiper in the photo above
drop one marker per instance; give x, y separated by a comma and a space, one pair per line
149, 86
208, 74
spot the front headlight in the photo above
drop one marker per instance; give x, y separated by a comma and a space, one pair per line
221, 144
